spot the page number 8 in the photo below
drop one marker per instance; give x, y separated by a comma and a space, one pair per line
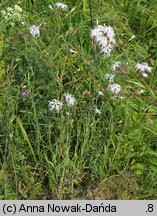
150, 208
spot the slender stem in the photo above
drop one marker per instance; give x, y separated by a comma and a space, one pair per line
92, 23
91, 16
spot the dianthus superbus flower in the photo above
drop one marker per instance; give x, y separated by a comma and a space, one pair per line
55, 105
104, 38
109, 77
69, 99
114, 88
62, 6
116, 65
26, 93
34, 31
143, 68
97, 111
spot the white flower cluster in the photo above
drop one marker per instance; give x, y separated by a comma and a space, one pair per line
97, 111
116, 65
12, 14
57, 105
69, 99
143, 68
34, 31
104, 38
62, 6
110, 77
114, 88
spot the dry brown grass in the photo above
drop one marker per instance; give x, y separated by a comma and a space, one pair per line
117, 187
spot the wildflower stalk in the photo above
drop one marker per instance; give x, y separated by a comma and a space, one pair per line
84, 6
92, 25
91, 15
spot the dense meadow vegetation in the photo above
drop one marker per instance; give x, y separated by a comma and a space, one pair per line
78, 116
